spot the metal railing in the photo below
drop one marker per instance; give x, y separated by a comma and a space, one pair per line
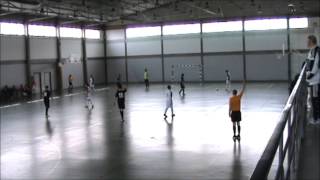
285, 145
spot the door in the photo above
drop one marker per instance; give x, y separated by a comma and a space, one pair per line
37, 82
47, 80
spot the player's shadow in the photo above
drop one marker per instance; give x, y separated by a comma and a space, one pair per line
182, 98
89, 117
237, 172
170, 139
49, 129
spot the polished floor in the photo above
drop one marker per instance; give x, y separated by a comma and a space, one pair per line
74, 143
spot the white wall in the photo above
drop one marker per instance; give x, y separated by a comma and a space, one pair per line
70, 46
94, 48
179, 44
222, 42
115, 43
144, 46
266, 40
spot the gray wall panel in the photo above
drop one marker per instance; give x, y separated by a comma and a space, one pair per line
12, 48
266, 40
94, 48
77, 72
266, 67
43, 48
136, 69
70, 46
115, 48
181, 44
222, 42
115, 34
97, 69
116, 67
215, 66
12, 74
191, 74
144, 46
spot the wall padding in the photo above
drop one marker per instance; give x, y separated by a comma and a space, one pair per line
136, 68
183, 63
97, 69
215, 66
265, 67
116, 67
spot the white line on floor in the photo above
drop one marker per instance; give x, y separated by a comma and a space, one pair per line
38, 100
11, 105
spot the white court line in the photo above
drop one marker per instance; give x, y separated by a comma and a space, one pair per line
67, 95
102, 89
38, 100
11, 105
56, 97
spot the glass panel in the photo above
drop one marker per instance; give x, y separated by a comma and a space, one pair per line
181, 29
11, 29
222, 26
70, 32
298, 23
35, 30
93, 34
265, 24
143, 32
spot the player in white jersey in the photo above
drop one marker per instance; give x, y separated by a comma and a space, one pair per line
169, 102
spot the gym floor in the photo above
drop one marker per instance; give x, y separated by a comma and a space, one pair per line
74, 143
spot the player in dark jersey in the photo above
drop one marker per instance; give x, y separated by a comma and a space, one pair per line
46, 99
182, 86
120, 95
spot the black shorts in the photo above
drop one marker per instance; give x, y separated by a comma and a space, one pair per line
47, 104
121, 104
70, 84
146, 81
235, 116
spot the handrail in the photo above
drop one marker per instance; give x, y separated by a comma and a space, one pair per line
293, 115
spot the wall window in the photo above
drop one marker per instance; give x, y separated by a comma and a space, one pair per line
298, 23
143, 32
35, 30
181, 29
93, 34
70, 32
222, 26
12, 29
265, 24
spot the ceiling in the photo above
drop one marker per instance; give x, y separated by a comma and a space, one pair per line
115, 13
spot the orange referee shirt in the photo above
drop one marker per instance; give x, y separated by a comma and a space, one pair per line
235, 102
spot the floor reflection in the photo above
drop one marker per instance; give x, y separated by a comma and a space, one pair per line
49, 129
236, 162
